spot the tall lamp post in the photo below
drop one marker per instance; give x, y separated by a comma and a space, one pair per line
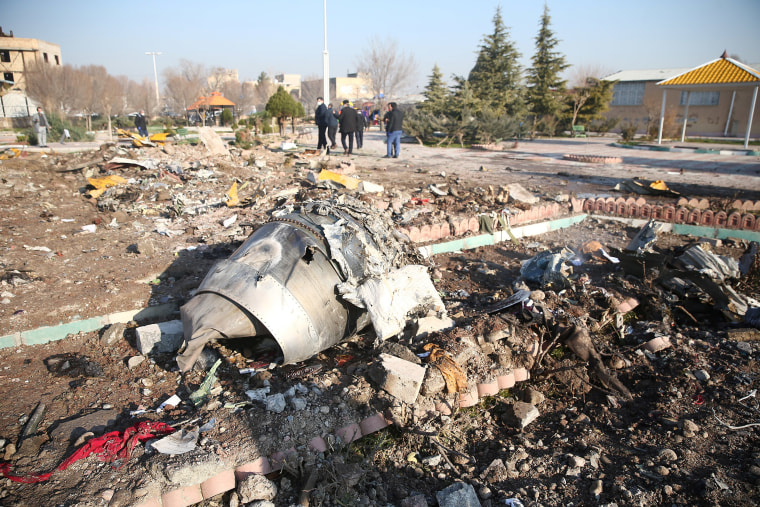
326, 64
155, 74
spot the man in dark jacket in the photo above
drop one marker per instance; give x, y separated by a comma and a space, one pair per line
332, 125
320, 118
393, 127
347, 127
361, 124
140, 123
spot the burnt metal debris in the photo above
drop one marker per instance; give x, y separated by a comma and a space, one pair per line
313, 275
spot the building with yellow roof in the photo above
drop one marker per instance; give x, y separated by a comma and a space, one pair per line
714, 99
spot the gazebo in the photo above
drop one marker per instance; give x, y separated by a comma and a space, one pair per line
213, 102
721, 73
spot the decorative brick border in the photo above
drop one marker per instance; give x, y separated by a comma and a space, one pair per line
593, 159
685, 211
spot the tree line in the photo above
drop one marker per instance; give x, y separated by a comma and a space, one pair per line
499, 100
89, 89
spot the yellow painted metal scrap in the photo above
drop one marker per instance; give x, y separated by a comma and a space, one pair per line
101, 184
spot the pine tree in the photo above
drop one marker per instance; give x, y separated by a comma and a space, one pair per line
496, 77
546, 90
435, 93
282, 105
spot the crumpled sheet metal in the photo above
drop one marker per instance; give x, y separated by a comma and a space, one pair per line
303, 279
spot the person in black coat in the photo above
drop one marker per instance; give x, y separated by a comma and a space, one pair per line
320, 118
332, 125
140, 123
361, 124
393, 128
347, 127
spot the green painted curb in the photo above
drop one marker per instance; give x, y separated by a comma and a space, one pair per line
53, 333
717, 233
500, 236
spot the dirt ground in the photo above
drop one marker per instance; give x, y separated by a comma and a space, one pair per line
687, 435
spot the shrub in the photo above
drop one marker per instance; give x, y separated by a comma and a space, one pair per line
605, 125
628, 132
243, 139
226, 117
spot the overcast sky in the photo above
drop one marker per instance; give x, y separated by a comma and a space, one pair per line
288, 36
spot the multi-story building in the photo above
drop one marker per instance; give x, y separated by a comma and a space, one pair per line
291, 83
17, 55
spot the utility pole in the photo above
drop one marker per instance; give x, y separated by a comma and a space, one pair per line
326, 64
155, 74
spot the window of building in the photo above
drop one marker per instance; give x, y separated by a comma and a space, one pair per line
45, 57
701, 98
8, 76
57, 60
628, 94
5, 55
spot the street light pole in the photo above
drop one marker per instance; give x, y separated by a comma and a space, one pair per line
155, 74
326, 64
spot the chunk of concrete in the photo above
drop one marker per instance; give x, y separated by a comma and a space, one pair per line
432, 324
458, 494
367, 187
518, 193
399, 378
256, 487
160, 338
96, 422
521, 414
113, 333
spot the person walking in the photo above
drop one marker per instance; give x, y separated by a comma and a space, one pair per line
361, 123
140, 123
320, 118
347, 127
332, 125
41, 126
393, 128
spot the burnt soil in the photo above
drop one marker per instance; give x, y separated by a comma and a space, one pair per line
158, 235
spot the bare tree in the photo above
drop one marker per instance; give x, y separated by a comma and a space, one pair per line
311, 88
107, 92
264, 89
390, 70
43, 84
184, 85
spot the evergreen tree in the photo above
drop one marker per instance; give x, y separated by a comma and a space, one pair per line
546, 90
589, 101
282, 105
496, 77
435, 93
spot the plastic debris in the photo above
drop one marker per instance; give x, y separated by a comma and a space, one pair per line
199, 396
178, 442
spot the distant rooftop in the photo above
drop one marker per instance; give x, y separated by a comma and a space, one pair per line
654, 74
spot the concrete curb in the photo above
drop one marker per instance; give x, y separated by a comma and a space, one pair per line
675, 149
53, 333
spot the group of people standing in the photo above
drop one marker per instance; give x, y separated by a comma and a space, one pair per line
351, 124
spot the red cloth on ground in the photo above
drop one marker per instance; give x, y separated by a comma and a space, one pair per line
109, 447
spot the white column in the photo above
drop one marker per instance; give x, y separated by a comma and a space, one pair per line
730, 111
749, 122
686, 115
326, 64
662, 115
